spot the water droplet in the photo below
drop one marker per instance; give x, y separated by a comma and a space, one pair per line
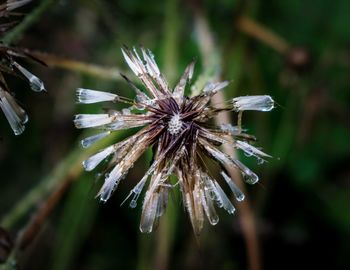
240, 198
260, 161
84, 164
133, 203
103, 200
146, 229
214, 221
231, 211
251, 179
36, 84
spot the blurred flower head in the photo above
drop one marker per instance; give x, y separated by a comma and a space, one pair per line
9, 58
183, 137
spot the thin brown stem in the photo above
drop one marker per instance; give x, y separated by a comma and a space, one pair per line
110, 73
246, 216
33, 227
265, 35
27, 234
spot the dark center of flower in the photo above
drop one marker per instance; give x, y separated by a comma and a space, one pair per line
174, 125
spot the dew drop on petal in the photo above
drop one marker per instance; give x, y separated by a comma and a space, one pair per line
262, 103
261, 161
235, 189
35, 83
251, 178
87, 142
133, 203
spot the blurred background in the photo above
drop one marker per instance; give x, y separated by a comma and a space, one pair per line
296, 51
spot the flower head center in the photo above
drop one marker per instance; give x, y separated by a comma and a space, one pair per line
175, 124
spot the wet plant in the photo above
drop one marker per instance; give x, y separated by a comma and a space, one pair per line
9, 65
179, 130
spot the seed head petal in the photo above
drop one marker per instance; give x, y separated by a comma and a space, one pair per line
253, 103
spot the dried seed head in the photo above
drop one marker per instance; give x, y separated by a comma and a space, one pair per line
178, 128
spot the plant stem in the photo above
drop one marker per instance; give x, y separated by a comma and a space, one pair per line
110, 73
246, 216
265, 35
